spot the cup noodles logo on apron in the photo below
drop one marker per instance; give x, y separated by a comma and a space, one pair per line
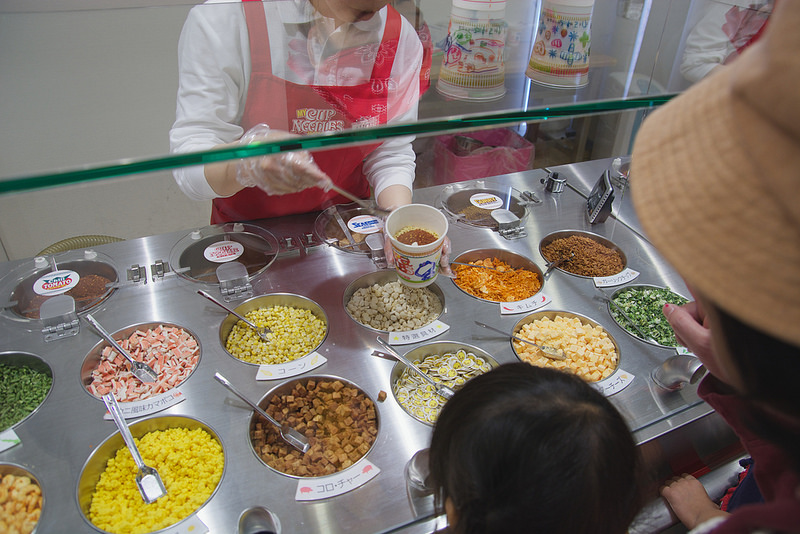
311, 120
223, 251
56, 283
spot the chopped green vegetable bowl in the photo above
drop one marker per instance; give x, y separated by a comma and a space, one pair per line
643, 304
22, 390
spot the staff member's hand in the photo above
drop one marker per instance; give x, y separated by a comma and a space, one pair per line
278, 174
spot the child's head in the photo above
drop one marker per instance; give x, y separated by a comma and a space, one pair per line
523, 449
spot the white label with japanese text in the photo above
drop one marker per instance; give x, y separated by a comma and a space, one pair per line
614, 383
521, 306
312, 489
618, 279
8, 438
421, 334
223, 251
293, 368
154, 404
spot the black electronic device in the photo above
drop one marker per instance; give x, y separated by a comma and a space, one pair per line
599, 202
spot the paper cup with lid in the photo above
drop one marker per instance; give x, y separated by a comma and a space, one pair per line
417, 233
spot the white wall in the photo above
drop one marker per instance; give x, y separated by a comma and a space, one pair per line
89, 86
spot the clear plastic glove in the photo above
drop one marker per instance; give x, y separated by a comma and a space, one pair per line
278, 174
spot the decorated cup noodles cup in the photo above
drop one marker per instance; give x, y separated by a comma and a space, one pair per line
472, 63
417, 233
560, 56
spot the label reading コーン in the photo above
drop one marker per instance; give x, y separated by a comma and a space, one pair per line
223, 251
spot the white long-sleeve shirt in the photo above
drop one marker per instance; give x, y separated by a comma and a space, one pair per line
214, 74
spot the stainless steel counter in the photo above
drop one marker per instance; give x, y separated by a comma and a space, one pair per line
680, 430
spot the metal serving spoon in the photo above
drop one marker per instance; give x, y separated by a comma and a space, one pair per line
626, 316
140, 370
473, 265
289, 434
551, 352
147, 479
360, 201
441, 389
556, 263
262, 331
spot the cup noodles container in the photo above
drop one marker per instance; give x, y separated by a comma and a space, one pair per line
560, 55
472, 62
417, 265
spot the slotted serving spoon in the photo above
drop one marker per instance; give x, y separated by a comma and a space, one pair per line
140, 370
551, 352
289, 434
147, 479
262, 331
441, 389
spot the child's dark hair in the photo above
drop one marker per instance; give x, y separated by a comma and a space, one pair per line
528, 449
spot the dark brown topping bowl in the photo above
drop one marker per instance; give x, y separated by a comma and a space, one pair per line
583, 264
339, 419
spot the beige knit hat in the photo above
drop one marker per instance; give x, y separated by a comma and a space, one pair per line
716, 181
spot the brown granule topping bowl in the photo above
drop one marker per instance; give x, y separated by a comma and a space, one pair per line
594, 255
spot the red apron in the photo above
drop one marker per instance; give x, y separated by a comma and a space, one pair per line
309, 109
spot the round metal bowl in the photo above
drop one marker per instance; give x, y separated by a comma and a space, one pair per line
96, 463
552, 314
268, 301
31, 361
512, 259
328, 230
383, 277
97, 281
19, 471
285, 389
462, 201
624, 323
94, 357
416, 355
562, 234
189, 258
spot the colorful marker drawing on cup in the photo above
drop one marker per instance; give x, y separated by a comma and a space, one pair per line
417, 236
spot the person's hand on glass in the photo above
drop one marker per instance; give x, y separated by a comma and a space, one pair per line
278, 174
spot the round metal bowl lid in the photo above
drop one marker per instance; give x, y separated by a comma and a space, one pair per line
198, 254
335, 223
474, 204
87, 276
